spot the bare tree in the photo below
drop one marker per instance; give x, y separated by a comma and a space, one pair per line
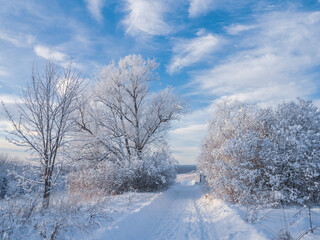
46, 118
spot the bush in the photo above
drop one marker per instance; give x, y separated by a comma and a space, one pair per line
8, 182
259, 156
24, 218
152, 173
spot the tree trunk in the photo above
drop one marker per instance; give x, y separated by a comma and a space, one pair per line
47, 189
310, 220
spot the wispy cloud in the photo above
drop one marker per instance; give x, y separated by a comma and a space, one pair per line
189, 51
49, 53
235, 29
146, 17
275, 62
95, 8
200, 7
17, 39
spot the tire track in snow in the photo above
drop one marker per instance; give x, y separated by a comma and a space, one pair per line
180, 213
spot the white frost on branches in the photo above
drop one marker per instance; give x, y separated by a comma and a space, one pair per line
255, 155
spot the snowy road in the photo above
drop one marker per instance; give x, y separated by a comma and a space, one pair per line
180, 213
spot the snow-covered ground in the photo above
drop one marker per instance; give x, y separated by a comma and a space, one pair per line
184, 211
181, 212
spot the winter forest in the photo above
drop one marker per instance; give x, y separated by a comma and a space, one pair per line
160, 120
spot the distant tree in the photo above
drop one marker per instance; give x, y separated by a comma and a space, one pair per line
46, 118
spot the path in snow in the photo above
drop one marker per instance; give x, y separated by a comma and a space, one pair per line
181, 213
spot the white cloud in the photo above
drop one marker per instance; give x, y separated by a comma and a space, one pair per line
200, 7
17, 39
13, 150
146, 17
95, 8
3, 73
5, 125
187, 134
61, 58
189, 51
191, 128
185, 142
9, 99
48, 53
235, 29
275, 62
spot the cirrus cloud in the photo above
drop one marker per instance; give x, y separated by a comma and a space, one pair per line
146, 17
17, 39
273, 63
95, 8
199, 7
189, 51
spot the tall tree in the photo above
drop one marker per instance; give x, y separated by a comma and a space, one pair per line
46, 118
128, 115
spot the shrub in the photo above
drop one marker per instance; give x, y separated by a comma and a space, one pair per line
255, 156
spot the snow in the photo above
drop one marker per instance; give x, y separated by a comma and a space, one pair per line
187, 211
292, 219
181, 212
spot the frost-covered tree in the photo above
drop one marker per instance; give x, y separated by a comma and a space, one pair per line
256, 155
296, 134
232, 152
123, 121
129, 112
46, 118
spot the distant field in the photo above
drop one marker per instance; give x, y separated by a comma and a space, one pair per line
186, 168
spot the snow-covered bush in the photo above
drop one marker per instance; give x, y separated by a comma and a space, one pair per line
97, 179
257, 156
231, 158
3, 175
24, 218
296, 134
152, 173
9, 169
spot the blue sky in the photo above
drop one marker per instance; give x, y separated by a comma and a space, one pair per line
258, 51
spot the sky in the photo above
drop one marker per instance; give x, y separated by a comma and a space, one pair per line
257, 51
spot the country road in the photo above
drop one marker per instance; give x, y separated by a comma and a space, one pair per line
180, 213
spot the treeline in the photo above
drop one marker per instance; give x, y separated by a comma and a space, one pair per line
264, 156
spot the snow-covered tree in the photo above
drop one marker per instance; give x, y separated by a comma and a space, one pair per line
256, 155
125, 123
46, 118
231, 157
296, 134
